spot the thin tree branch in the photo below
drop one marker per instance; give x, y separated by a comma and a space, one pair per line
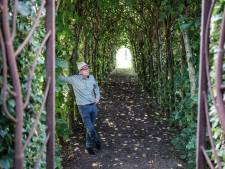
207, 158
219, 75
207, 50
57, 6
38, 115
19, 154
11, 92
37, 164
209, 85
210, 132
30, 78
14, 19
36, 22
4, 88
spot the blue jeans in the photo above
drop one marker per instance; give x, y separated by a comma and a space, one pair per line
88, 114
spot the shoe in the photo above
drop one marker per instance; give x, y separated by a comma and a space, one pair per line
98, 145
90, 151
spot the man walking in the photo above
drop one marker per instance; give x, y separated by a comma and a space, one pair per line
87, 96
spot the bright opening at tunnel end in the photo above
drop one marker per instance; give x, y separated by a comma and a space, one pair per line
123, 58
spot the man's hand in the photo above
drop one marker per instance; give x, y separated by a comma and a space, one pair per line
97, 100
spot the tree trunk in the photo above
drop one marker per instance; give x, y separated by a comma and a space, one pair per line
72, 110
191, 69
85, 49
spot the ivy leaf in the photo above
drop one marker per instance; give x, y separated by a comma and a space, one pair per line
130, 3
5, 163
217, 17
198, 22
2, 133
181, 7
61, 64
162, 16
12, 103
183, 157
185, 26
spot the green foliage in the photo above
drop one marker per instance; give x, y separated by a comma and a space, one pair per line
62, 130
34, 151
217, 132
160, 62
186, 111
184, 118
188, 137
218, 136
67, 17
6, 143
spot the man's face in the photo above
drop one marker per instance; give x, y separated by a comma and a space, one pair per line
84, 71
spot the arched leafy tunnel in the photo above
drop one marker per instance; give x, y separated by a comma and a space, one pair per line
163, 37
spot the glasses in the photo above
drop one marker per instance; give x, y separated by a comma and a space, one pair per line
85, 68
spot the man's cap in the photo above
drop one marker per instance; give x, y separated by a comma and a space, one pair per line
82, 65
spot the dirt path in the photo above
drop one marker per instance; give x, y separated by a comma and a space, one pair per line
133, 131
